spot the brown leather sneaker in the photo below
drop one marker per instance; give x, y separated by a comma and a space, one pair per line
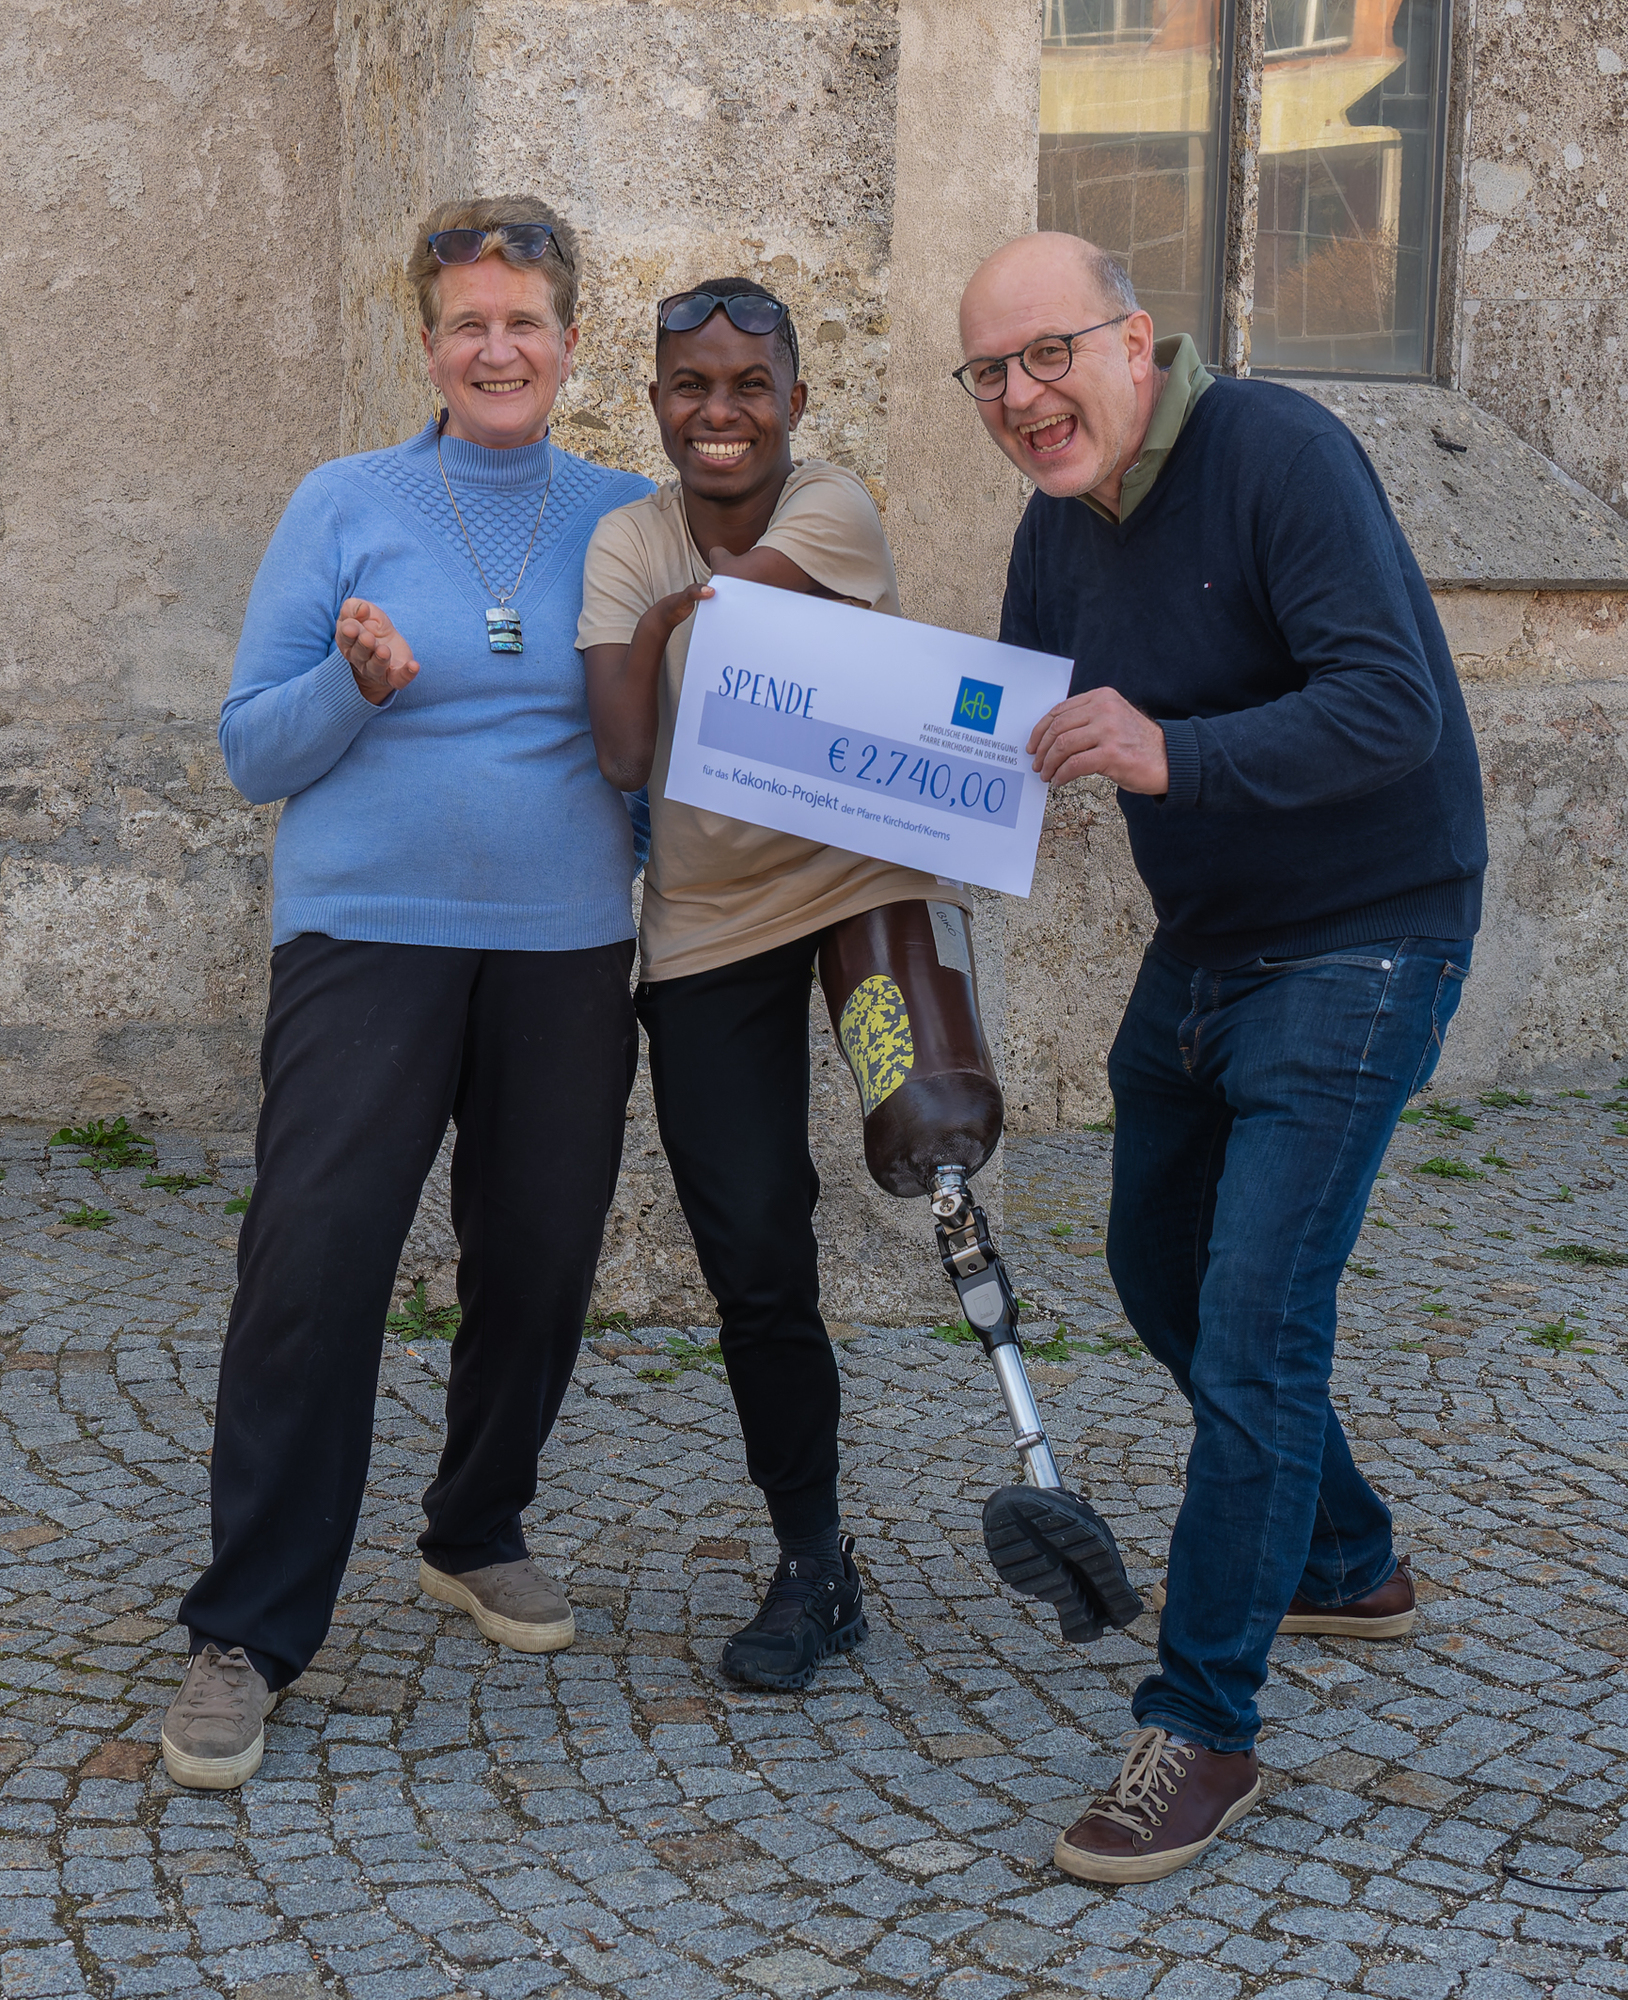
513, 1604
1385, 1613
1168, 1803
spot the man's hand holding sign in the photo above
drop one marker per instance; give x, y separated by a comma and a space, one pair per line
1100, 734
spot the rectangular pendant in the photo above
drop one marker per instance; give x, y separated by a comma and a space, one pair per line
503, 631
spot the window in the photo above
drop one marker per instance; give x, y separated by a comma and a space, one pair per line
1076, 24
1130, 109
1307, 24
1132, 153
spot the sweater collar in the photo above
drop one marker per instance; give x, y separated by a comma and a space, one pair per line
509, 471
1186, 382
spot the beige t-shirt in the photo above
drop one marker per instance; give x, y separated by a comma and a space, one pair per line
717, 889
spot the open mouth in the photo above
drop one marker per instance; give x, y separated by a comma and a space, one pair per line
1046, 437
502, 388
720, 451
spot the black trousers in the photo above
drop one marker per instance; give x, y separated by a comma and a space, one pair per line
729, 1066
368, 1049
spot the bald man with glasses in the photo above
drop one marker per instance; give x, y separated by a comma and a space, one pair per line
1262, 674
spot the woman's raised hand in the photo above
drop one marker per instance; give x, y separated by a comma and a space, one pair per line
379, 656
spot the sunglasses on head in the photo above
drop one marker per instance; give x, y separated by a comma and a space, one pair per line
526, 239
751, 312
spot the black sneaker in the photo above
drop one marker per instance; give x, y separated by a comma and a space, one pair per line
800, 1625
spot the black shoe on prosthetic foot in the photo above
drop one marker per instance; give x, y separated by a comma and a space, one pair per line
802, 1622
1048, 1543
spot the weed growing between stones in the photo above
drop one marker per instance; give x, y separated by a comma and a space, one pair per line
107, 1145
1441, 1114
683, 1356
239, 1204
1558, 1337
84, 1217
417, 1319
1585, 1253
1451, 1170
176, 1183
1112, 1343
1501, 1100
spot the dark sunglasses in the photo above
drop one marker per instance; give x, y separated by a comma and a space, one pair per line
749, 311
528, 239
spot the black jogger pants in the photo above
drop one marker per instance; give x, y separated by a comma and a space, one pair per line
368, 1049
729, 1069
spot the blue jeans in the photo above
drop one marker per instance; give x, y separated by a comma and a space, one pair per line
1252, 1111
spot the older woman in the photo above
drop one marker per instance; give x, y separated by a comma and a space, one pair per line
451, 937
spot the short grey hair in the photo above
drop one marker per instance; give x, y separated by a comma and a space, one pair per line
1112, 280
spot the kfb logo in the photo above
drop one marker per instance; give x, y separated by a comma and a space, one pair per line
976, 706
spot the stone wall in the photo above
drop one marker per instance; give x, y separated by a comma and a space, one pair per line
684, 141
1541, 329
167, 373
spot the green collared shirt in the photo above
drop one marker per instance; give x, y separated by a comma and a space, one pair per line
1186, 382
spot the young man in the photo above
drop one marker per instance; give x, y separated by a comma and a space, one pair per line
734, 914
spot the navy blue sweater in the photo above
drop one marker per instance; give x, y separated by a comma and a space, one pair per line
1262, 605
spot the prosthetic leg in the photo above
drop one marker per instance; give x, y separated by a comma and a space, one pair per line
902, 994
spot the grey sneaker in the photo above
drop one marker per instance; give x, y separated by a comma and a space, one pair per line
513, 1604
213, 1734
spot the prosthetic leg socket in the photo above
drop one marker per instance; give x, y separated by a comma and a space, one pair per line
902, 994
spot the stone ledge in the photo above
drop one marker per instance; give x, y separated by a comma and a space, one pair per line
1536, 635
1496, 515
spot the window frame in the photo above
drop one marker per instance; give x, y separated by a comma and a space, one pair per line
1435, 212
1221, 195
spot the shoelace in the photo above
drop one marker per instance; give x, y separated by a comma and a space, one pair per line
785, 1602
1137, 1799
209, 1700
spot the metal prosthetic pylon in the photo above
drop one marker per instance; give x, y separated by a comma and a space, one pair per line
1044, 1541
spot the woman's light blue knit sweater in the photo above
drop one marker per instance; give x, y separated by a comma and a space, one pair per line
468, 810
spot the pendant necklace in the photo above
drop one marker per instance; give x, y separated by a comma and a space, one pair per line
502, 624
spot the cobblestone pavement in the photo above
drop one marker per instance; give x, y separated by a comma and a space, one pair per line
436, 1817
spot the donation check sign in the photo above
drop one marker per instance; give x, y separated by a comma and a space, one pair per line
875, 734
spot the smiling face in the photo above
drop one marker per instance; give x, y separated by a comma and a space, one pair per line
497, 353
727, 405
1081, 433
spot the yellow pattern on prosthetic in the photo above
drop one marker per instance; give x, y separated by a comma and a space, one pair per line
876, 1039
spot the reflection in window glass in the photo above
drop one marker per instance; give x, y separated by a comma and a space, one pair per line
1348, 147
1129, 109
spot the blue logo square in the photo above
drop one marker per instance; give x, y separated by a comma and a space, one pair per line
977, 706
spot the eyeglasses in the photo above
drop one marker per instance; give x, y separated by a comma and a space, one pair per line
1047, 359
751, 312
527, 239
